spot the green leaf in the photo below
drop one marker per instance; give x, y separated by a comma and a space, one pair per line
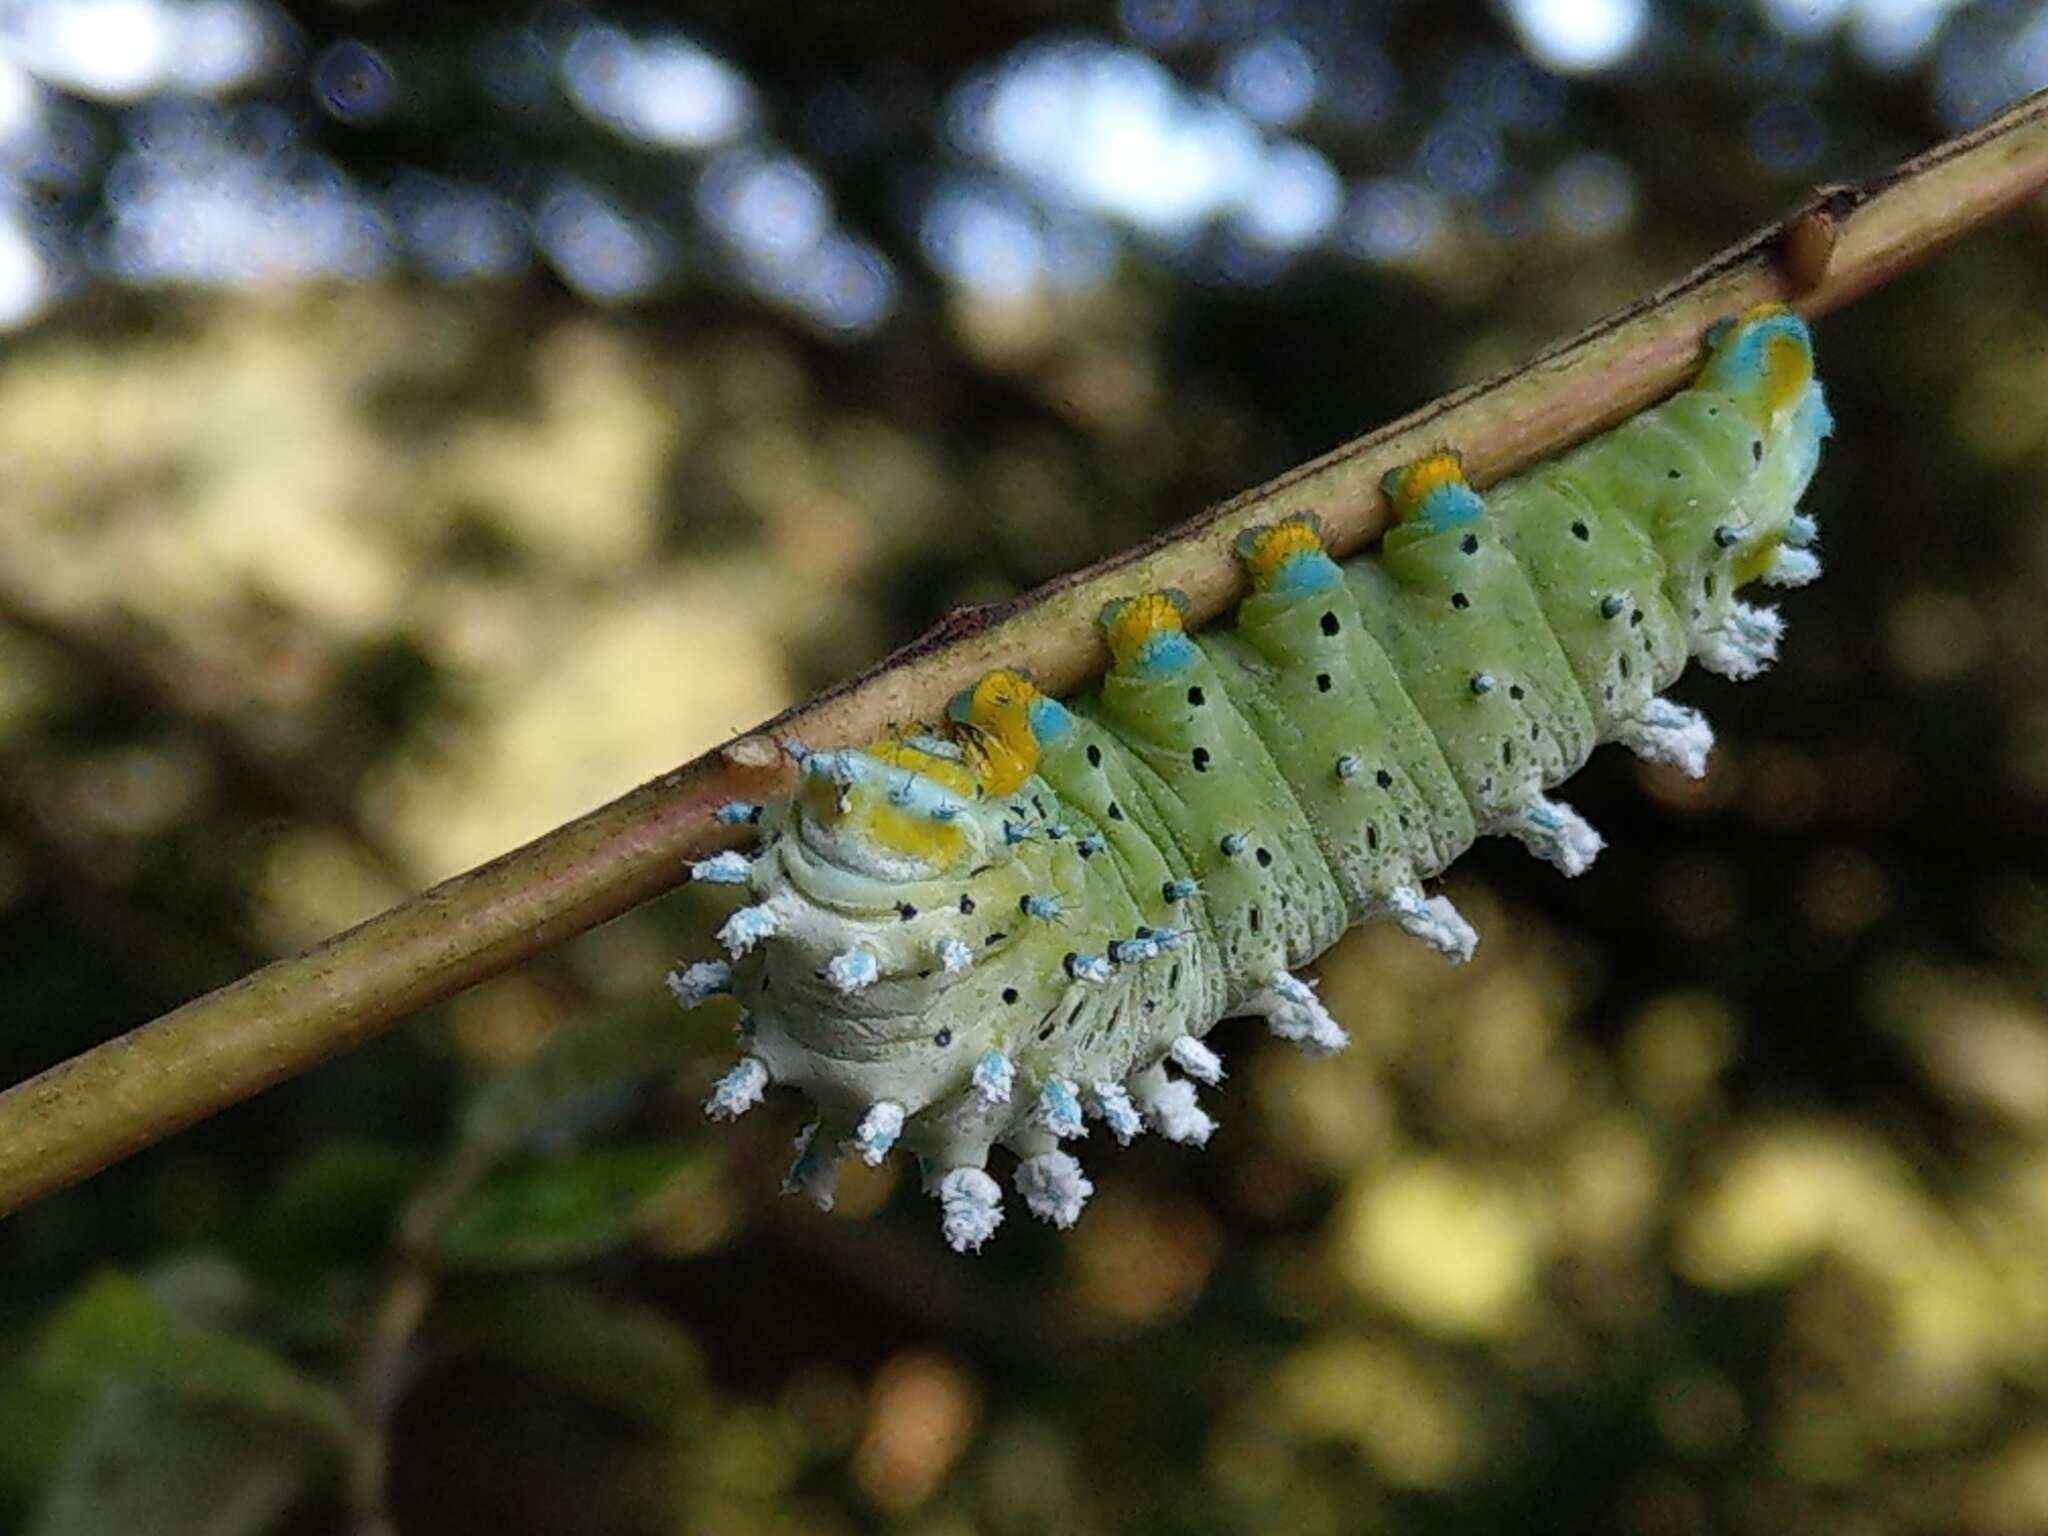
114, 1330
630, 1357
336, 1206
577, 1063
38, 1420
561, 1209
145, 1462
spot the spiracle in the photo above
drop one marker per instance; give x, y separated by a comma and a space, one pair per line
1000, 930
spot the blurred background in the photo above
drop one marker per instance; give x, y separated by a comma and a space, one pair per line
419, 424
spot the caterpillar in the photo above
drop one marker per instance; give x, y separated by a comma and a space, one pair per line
992, 932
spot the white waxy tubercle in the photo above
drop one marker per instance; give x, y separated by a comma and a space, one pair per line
691, 985
815, 1172
1793, 568
1114, 1105
1059, 1107
1672, 734
954, 955
1171, 1106
1295, 1014
1435, 921
970, 1208
1197, 1060
729, 868
853, 970
748, 927
995, 1079
1556, 834
739, 1090
1745, 646
878, 1131
1092, 968
1054, 1188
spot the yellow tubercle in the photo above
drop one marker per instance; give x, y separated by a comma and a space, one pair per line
1135, 622
1788, 369
1271, 548
940, 770
995, 733
1411, 485
917, 837
898, 829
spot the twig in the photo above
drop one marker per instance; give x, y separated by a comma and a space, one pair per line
129, 1092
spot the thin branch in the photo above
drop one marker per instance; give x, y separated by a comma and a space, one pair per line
121, 1096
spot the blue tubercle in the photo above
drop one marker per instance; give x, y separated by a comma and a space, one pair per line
1061, 1107
1448, 506
1050, 721
1164, 654
1304, 575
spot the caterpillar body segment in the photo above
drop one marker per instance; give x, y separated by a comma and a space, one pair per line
1000, 936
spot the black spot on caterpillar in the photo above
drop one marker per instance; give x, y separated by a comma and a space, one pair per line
1471, 662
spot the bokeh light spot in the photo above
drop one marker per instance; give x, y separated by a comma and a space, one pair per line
354, 82
1579, 36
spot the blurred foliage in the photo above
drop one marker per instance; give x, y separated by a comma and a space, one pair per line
1712, 1195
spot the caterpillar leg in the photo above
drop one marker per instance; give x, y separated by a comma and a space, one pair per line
1111, 1103
1435, 921
994, 1079
877, 1132
1555, 833
739, 1090
1669, 733
1792, 568
1054, 1188
1197, 1060
1169, 1103
815, 1172
970, 1206
693, 984
1745, 646
1294, 1013
1059, 1109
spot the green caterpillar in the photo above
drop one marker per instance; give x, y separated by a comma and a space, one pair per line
993, 935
